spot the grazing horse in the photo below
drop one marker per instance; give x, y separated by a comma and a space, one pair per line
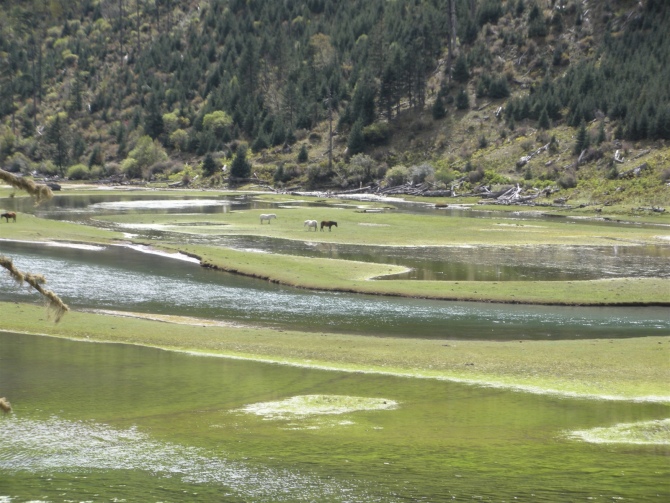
311, 223
267, 217
329, 224
8, 215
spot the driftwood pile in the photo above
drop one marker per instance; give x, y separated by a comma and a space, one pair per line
507, 195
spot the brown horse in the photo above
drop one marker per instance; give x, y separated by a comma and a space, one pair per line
329, 224
8, 215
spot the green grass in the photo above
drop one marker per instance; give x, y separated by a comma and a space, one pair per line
31, 228
391, 228
350, 276
631, 369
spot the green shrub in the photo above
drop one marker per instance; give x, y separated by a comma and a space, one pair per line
78, 172
567, 181
303, 155
377, 133
131, 168
397, 175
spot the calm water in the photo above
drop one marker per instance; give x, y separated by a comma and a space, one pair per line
101, 422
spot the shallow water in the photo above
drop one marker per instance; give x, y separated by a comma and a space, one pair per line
129, 280
481, 263
96, 422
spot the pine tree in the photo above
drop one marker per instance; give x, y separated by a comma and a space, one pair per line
209, 166
461, 71
582, 140
439, 110
356, 142
58, 136
303, 156
240, 168
543, 121
462, 100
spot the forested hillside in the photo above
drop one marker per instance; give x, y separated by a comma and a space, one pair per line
459, 95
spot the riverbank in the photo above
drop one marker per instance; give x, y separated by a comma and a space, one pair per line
372, 224
609, 369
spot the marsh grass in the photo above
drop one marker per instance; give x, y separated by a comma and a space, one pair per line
33, 228
643, 432
390, 228
352, 276
624, 369
309, 405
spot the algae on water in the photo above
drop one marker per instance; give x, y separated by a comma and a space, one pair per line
309, 405
644, 432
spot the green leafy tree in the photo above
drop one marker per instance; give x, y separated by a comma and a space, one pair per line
218, 122
146, 153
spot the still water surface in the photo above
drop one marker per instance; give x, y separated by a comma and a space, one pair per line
103, 422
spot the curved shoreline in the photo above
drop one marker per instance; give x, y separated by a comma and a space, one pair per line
271, 279
597, 369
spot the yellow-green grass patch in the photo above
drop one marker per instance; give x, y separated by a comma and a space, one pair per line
623, 369
31, 228
353, 276
391, 228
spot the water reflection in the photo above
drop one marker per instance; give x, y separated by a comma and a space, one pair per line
481, 263
130, 280
475, 263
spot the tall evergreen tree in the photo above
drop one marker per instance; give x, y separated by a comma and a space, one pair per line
582, 139
241, 167
58, 136
356, 142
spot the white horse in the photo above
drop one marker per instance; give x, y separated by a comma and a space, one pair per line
311, 223
267, 217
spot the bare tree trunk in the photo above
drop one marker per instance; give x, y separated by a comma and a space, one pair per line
121, 25
452, 37
137, 7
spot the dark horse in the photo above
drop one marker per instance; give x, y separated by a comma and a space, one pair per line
8, 215
329, 224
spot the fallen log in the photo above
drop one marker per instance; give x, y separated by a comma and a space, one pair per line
637, 171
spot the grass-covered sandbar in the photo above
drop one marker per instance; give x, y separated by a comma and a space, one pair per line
634, 369
374, 224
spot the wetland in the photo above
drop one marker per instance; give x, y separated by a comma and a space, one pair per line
295, 380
